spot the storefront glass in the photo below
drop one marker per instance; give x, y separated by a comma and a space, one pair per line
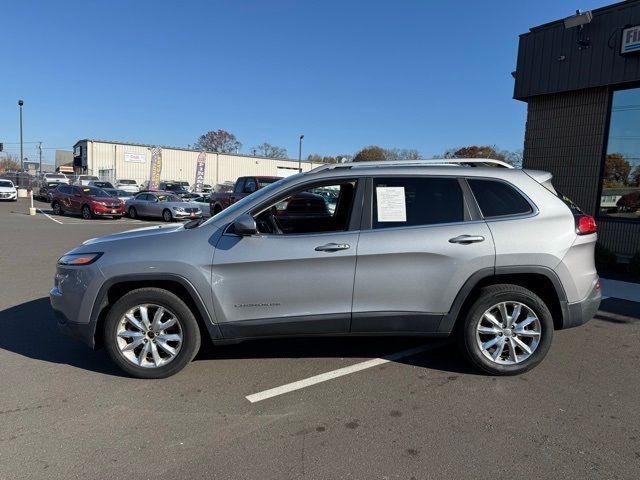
621, 179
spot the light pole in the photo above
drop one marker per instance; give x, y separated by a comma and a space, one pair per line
300, 154
20, 104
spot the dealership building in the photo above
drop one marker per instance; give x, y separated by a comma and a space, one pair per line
120, 160
580, 77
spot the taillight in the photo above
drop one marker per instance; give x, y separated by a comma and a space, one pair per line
586, 224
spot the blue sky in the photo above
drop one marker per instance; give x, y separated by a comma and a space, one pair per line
428, 75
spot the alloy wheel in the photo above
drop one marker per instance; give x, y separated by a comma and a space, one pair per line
149, 336
86, 213
508, 333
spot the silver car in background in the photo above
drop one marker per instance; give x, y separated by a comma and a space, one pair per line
167, 206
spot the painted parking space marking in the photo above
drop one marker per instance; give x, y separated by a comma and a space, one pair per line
341, 372
80, 221
49, 216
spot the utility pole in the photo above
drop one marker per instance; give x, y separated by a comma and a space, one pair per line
20, 104
40, 150
300, 154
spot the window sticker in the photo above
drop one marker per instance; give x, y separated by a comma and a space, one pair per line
391, 204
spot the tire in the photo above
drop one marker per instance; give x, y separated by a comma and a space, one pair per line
86, 212
133, 213
57, 208
166, 215
536, 335
116, 337
217, 209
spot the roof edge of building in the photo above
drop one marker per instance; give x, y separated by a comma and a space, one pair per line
148, 145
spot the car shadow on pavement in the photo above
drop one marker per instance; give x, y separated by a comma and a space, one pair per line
444, 356
30, 329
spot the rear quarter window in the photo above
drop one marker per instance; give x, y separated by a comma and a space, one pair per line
498, 199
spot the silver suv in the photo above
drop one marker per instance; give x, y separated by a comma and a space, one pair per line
432, 248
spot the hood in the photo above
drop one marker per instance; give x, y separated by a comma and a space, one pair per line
137, 233
177, 204
7, 189
106, 199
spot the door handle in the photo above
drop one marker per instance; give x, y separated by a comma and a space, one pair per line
332, 247
467, 239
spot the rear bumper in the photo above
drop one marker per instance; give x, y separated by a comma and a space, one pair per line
579, 313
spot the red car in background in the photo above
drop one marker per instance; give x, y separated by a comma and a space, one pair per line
90, 202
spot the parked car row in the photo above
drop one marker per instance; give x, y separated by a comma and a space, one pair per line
91, 201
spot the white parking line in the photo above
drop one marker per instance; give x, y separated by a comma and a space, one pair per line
340, 372
49, 216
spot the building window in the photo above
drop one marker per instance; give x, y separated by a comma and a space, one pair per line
620, 196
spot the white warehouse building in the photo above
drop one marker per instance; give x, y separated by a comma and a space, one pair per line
119, 160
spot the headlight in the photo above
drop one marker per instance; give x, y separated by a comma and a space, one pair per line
79, 258
101, 203
178, 209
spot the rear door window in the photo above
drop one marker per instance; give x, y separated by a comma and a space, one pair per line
498, 199
408, 202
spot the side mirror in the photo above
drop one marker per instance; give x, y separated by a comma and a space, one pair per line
245, 225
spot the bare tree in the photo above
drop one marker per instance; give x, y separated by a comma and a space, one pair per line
9, 162
218, 141
270, 151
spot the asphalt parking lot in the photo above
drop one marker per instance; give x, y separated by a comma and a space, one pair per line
66, 412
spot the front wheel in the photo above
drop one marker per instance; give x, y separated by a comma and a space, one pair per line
151, 333
166, 216
86, 212
57, 208
507, 331
133, 213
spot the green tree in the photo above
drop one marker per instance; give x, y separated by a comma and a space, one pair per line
270, 151
218, 141
616, 171
370, 154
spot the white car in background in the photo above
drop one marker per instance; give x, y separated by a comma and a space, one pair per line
55, 178
8, 190
127, 185
84, 180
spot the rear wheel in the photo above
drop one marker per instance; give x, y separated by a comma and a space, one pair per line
86, 212
507, 331
132, 212
57, 208
166, 215
151, 333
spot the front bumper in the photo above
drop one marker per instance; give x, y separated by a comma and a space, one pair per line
85, 332
9, 196
187, 214
108, 211
72, 300
579, 313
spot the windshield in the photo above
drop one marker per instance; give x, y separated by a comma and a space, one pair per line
127, 182
268, 181
52, 184
95, 192
263, 192
169, 198
122, 193
88, 177
55, 175
5, 183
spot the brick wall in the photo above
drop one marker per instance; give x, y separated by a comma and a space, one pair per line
566, 135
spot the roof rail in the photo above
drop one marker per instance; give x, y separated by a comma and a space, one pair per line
443, 162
